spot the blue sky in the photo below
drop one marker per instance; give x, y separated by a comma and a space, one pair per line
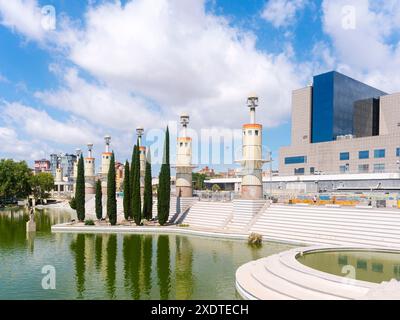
110, 66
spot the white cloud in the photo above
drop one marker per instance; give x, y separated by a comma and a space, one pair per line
23, 16
178, 57
360, 32
4, 79
282, 13
38, 124
17, 148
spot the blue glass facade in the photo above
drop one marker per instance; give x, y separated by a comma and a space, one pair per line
397, 152
333, 99
295, 160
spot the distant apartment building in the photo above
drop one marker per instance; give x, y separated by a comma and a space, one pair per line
66, 161
42, 165
341, 125
207, 171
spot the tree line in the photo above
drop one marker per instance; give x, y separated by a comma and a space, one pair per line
17, 181
132, 202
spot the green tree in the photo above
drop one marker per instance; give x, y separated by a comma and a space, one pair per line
148, 190
132, 178
111, 193
15, 179
72, 203
136, 200
216, 188
80, 191
99, 200
127, 192
164, 188
198, 179
41, 184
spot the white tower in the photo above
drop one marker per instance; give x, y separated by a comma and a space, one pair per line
90, 171
59, 171
142, 157
105, 163
184, 166
252, 162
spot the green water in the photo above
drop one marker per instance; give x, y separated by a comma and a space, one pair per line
107, 266
360, 265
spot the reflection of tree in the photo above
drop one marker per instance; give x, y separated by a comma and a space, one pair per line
163, 266
147, 261
132, 255
183, 268
98, 246
78, 250
111, 264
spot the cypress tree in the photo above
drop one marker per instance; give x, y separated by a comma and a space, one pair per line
148, 190
131, 177
80, 191
127, 192
136, 201
164, 188
99, 200
111, 193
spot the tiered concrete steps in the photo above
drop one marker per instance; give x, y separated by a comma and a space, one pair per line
282, 277
210, 215
330, 226
243, 212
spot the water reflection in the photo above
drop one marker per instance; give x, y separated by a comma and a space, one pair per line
109, 266
78, 250
163, 266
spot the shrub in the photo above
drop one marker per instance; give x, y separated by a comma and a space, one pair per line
255, 239
89, 222
72, 203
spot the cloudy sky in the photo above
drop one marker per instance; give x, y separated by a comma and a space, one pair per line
72, 71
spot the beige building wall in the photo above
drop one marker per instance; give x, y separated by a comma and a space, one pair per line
389, 114
325, 157
301, 116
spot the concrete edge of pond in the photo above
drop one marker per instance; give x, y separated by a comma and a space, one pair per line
68, 228
283, 277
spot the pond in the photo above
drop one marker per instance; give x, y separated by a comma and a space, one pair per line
371, 266
116, 266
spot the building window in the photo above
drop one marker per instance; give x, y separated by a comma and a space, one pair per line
397, 152
363, 168
345, 156
181, 144
312, 170
299, 171
250, 133
343, 169
295, 160
379, 167
256, 132
380, 153
244, 133
363, 154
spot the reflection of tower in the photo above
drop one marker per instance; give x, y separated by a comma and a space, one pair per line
105, 163
184, 161
252, 161
142, 157
89, 171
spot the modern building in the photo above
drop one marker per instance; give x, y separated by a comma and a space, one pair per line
342, 126
66, 161
42, 165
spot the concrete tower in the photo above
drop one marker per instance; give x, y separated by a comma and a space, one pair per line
184, 166
142, 157
90, 171
252, 162
59, 171
105, 163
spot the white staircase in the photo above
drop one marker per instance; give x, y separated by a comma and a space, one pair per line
330, 226
243, 213
210, 215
